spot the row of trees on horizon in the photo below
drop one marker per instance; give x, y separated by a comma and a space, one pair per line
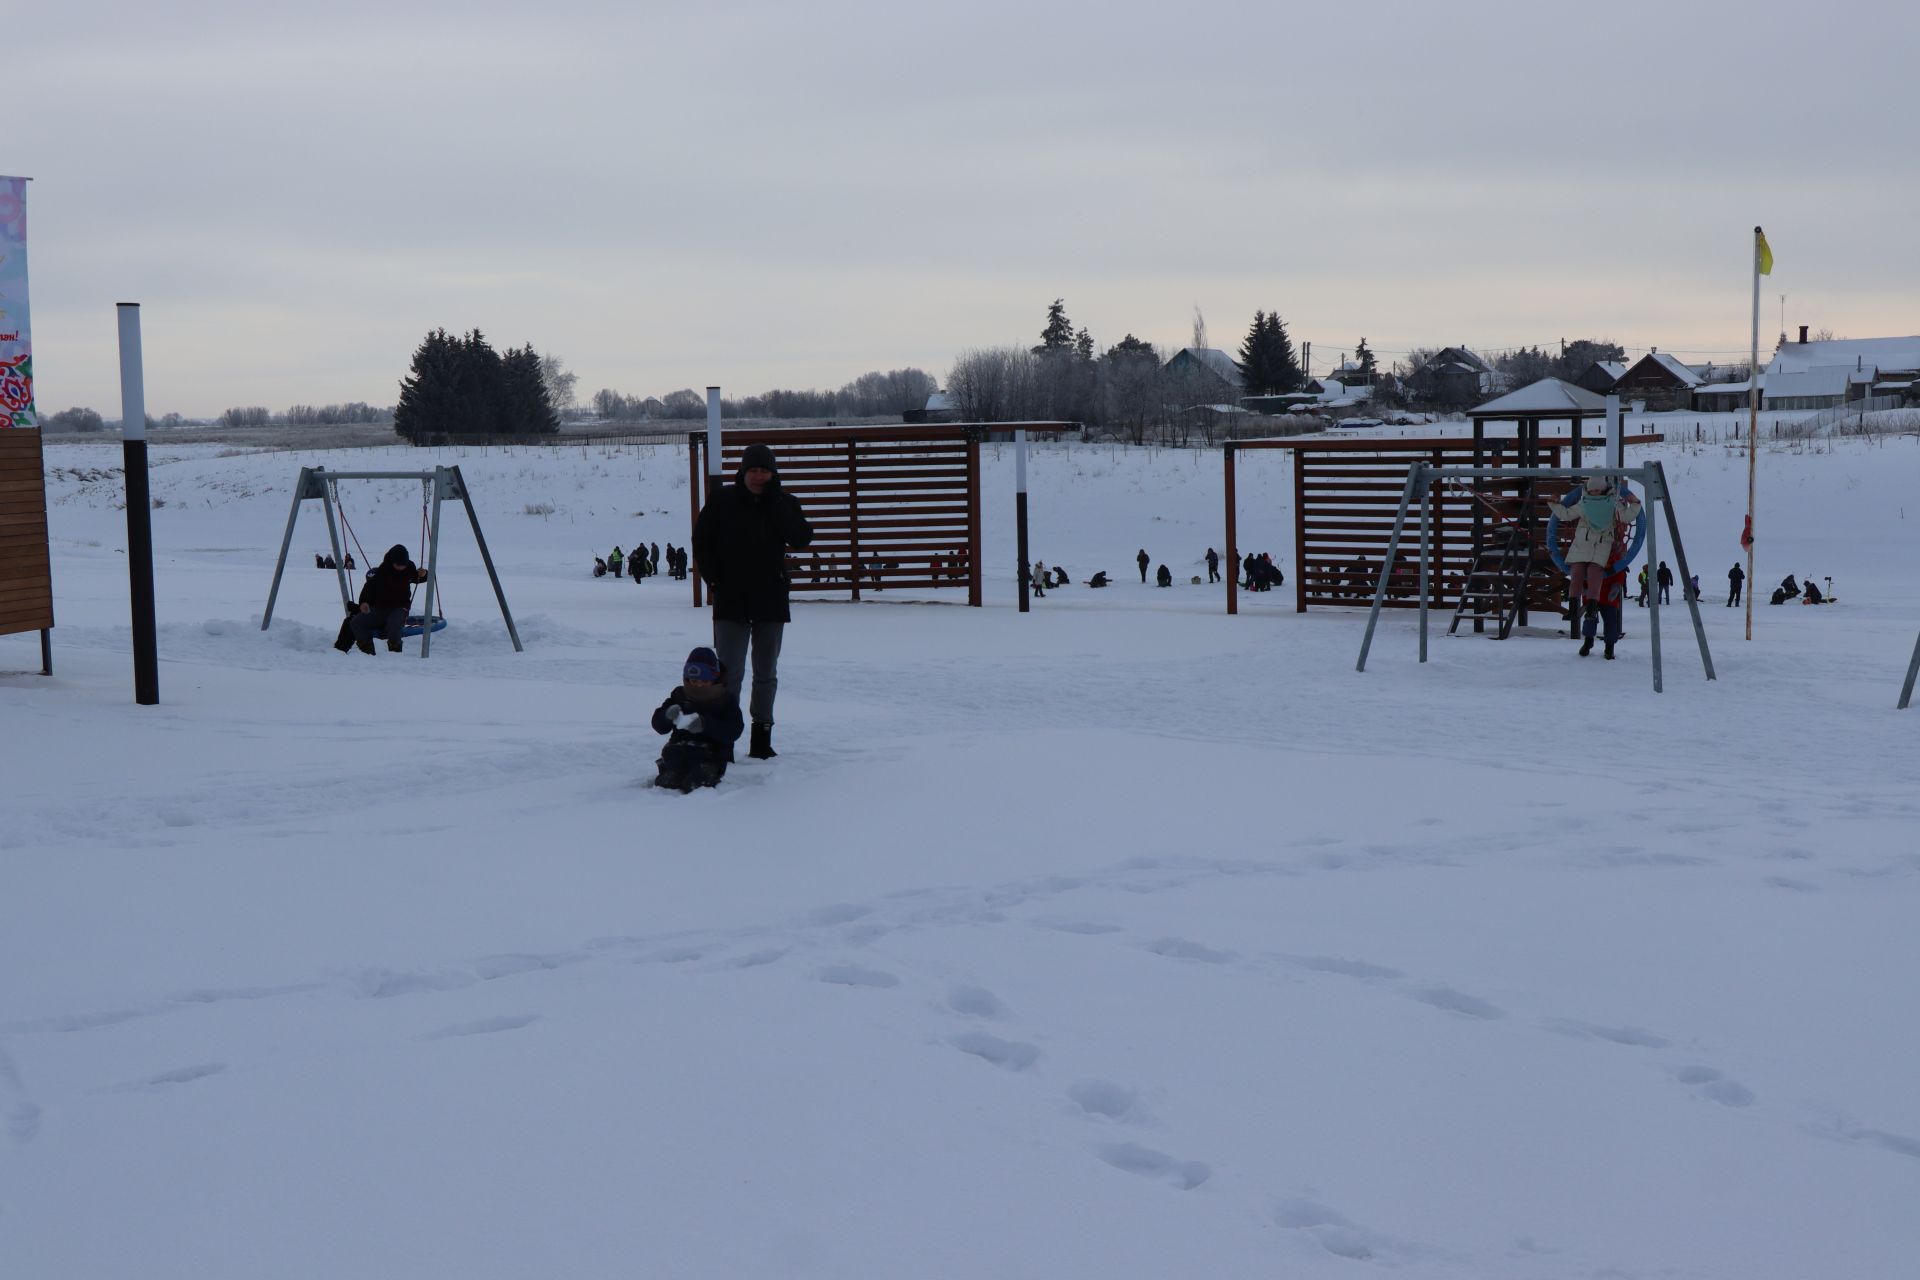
458, 384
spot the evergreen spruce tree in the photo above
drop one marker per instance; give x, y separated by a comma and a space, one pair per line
1083, 345
1288, 376
1255, 373
1363, 356
429, 394
1267, 364
1058, 335
526, 406
478, 387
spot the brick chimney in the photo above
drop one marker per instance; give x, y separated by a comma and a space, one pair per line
1803, 335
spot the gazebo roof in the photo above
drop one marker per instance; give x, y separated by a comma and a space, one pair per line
1547, 398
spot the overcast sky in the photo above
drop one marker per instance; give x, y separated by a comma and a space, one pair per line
790, 194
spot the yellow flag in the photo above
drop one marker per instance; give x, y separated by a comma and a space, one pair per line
1763, 254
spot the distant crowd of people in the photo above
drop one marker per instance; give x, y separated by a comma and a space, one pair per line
642, 562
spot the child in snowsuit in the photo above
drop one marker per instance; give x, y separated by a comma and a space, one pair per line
1602, 509
702, 721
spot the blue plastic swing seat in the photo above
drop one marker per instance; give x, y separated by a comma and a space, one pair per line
413, 627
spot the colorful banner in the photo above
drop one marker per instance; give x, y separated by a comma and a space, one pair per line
16, 337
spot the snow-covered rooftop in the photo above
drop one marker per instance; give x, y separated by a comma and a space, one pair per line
1853, 353
1686, 375
1544, 398
1216, 360
1829, 381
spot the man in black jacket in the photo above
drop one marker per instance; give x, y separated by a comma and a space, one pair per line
384, 601
740, 543
1736, 576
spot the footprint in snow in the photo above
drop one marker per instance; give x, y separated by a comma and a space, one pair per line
976, 1002
1714, 1086
1086, 927
852, 975
484, 1026
1183, 949
1145, 1161
1338, 1234
755, 959
1451, 1001
1010, 1055
181, 1075
1103, 1098
1633, 1037
1346, 968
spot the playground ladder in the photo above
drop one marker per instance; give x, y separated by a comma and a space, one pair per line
1499, 576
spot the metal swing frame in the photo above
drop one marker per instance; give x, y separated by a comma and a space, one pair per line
1652, 479
446, 484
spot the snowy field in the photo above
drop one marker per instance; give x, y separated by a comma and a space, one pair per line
1122, 939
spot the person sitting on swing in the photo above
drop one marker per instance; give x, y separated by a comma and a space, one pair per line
1602, 509
385, 600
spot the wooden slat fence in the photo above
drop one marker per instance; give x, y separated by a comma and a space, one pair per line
892, 508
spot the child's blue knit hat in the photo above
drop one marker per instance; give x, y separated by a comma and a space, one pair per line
702, 664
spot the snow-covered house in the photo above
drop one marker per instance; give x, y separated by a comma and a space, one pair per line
1452, 379
1820, 375
1660, 380
1202, 365
1600, 376
939, 408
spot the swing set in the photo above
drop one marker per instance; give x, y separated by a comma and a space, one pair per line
436, 486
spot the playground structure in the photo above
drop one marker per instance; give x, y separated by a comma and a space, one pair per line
26, 574
1421, 478
891, 507
1344, 494
436, 486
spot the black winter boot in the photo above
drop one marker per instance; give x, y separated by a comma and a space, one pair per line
393, 646
1608, 655
1587, 648
364, 646
760, 745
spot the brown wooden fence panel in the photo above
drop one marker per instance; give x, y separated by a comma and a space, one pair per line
26, 573
892, 508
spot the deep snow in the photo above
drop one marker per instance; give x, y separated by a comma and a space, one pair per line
1119, 939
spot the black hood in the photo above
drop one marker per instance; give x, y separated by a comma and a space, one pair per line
396, 550
758, 455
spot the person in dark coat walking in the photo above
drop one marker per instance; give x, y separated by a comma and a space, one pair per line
741, 541
1213, 565
384, 602
1143, 560
1665, 579
1736, 577
702, 721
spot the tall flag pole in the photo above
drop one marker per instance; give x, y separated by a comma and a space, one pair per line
1762, 266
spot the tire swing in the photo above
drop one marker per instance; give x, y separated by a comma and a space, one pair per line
416, 625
